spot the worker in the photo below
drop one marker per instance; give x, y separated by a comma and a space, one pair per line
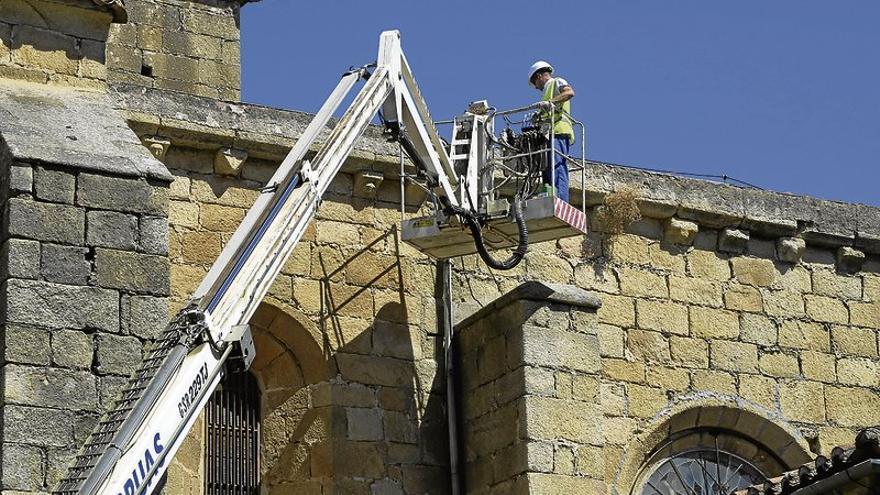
557, 94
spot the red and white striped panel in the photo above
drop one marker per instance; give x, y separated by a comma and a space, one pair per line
570, 215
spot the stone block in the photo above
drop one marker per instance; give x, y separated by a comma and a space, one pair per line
790, 249
734, 356
759, 390
111, 229
802, 401
121, 194
183, 214
20, 258
65, 264
647, 346
678, 231
818, 366
831, 284
62, 306
662, 316
858, 371
779, 364
117, 354
826, 309
611, 341
43, 49
22, 468
784, 303
695, 291
641, 283
52, 185
153, 235
37, 425
853, 406
219, 218
145, 316
795, 278
229, 161
691, 353
560, 349
21, 178
668, 378
617, 310
733, 240
132, 271
754, 271
864, 314
191, 45
854, 341
623, 370
72, 349
26, 345
645, 402
364, 424
561, 419
743, 298
629, 249
400, 428
45, 221
708, 265
714, 381
714, 323
50, 387
850, 259
804, 335
210, 23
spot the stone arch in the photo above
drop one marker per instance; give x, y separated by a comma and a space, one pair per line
289, 367
675, 426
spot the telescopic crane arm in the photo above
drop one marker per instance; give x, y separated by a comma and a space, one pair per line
132, 446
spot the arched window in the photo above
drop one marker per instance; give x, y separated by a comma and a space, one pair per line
232, 437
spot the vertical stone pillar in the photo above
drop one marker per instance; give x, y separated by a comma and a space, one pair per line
84, 267
529, 377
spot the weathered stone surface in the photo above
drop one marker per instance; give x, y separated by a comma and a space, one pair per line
154, 235
50, 387
45, 221
54, 185
22, 467
556, 348
734, 356
121, 194
364, 424
146, 316
714, 323
21, 178
27, 345
733, 240
678, 231
61, 306
65, 264
790, 249
117, 354
132, 271
853, 406
20, 258
850, 259
802, 401
37, 425
111, 229
72, 349
662, 316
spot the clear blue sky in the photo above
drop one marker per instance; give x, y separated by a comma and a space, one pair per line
784, 94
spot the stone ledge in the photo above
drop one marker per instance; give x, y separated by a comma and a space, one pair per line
74, 129
538, 291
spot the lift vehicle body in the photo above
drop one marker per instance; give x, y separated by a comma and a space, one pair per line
133, 444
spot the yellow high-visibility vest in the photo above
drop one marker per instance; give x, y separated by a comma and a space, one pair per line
562, 124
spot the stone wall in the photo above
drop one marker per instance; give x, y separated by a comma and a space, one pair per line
529, 381
85, 281
180, 45
53, 42
721, 313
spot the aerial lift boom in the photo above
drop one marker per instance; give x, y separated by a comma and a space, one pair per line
132, 445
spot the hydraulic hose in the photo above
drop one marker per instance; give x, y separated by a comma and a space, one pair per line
476, 229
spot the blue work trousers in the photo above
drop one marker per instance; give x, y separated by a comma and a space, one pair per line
562, 144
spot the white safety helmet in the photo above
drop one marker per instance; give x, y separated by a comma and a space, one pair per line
539, 65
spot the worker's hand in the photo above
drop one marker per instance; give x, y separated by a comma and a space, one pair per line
543, 105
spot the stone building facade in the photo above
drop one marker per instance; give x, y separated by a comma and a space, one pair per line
725, 319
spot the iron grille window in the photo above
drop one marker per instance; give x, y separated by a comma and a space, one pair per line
232, 437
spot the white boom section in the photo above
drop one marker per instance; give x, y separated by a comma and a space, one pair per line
141, 448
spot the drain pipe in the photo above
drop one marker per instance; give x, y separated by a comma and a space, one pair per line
445, 321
